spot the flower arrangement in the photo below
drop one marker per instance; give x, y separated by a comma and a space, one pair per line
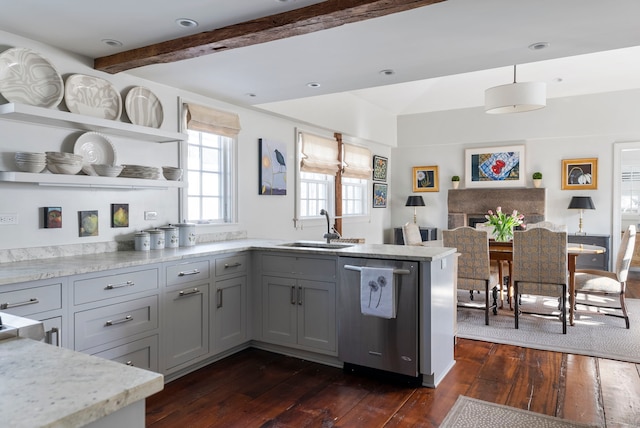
503, 224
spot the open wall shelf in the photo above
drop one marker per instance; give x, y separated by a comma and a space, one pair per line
66, 180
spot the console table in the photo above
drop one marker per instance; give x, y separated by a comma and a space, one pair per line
427, 233
592, 261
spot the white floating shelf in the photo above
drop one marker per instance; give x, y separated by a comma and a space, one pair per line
66, 180
63, 119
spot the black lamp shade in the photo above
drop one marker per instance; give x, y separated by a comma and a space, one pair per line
581, 203
415, 201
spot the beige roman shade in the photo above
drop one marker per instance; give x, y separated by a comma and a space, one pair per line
319, 155
206, 119
357, 162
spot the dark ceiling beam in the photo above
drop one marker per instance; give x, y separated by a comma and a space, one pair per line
317, 17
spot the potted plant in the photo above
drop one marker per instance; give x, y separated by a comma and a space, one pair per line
537, 179
455, 181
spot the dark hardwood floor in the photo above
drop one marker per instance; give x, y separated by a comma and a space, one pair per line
255, 388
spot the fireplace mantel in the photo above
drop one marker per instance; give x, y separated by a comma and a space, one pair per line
466, 204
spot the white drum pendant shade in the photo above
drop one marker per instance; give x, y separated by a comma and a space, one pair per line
515, 97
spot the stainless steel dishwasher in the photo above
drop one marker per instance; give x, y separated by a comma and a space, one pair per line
368, 341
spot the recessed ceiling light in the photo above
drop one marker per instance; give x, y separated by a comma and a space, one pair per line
387, 72
250, 94
186, 23
112, 42
313, 84
539, 45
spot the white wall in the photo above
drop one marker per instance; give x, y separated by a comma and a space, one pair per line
260, 216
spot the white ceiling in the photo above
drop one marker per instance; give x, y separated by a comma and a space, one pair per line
443, 55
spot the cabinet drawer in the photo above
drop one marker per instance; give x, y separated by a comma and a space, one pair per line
308, 266
141, 353
187, 272
32, 300
279, 264
592, 261
102, 325
229, 265
114, 285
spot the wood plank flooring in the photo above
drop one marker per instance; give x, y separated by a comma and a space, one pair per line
255, 388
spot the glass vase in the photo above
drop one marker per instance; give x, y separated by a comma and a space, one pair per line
503, 235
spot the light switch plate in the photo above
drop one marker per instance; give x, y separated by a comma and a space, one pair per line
8, 218
150, 215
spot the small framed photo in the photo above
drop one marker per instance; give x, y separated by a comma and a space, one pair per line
87, 223
501, 166
425, 179
380, 168
380, 195
119, 215
580, 174
52, 217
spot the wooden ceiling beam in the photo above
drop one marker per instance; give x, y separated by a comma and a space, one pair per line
320, 16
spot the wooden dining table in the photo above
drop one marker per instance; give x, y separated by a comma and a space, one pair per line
503, 252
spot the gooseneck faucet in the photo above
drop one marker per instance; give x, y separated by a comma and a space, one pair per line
329, 236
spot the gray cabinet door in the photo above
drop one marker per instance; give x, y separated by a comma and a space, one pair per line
279, 309
317, 314
230, 313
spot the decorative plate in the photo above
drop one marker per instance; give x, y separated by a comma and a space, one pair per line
28, 78
92, 96
94, 148
143, 107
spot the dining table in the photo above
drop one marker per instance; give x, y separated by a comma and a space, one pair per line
503, 252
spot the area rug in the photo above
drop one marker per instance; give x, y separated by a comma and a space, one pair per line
473, 413
593, 334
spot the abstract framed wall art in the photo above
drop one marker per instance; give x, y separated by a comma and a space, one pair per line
580, 174
380, 195
273, 168
119, 215
88, 223
52, 217
380, 168
425, 179
495, 167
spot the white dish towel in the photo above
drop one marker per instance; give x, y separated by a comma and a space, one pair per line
377, 292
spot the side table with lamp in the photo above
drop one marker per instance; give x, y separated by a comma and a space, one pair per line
427, 233
588, 261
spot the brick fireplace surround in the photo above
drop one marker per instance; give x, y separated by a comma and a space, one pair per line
467, 207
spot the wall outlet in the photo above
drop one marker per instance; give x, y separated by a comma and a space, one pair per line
150, 215
8, 218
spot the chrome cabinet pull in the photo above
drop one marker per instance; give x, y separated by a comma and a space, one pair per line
293, 294
226, 265
15, 305
191, 272
219, 303
48, 336
125, 319
186, 293
299, 295
120, 285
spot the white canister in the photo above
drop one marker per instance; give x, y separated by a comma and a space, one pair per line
157, 239
171, 236
187, 234
142, 241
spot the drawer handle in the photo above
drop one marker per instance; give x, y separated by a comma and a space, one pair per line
15, 305
48, 336
125, 319
219, 295
227, 265
120, 285
299, 295
293, 294
191, 272
186, 293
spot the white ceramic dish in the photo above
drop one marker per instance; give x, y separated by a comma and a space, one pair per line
94, 148
28, 78
143, 107
92, 96
105, 170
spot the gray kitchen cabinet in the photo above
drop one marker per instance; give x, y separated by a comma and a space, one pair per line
142, 353
299, 302
229, 303
185, 329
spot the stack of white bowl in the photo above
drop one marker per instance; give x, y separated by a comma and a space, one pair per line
64, 163
140, 171
31, 162
106, 170
172, 173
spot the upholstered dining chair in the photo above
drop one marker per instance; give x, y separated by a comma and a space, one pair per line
540, 269
411, 234
604, 283
474, 271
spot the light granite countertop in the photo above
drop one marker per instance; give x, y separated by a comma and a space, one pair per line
36, 268
56, 387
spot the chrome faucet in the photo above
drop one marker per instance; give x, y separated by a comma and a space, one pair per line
329, 236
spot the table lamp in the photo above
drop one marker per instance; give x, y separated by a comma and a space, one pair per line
415, 201
581, 203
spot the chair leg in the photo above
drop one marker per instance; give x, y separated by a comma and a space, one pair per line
486, 302
470, 294
623, 306
564, 308
494, 293
516, 302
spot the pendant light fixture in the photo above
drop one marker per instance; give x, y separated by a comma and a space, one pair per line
515, 97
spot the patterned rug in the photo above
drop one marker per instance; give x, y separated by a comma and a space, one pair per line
593, 334
472, 413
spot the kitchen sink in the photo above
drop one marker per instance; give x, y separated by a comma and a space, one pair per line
316, 244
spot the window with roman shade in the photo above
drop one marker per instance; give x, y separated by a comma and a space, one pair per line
206, 119
357, 162
319, 155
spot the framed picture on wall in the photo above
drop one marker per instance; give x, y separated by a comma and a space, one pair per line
580, 174
495, 167
379, 195
380, 168
425, 179
272, 168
